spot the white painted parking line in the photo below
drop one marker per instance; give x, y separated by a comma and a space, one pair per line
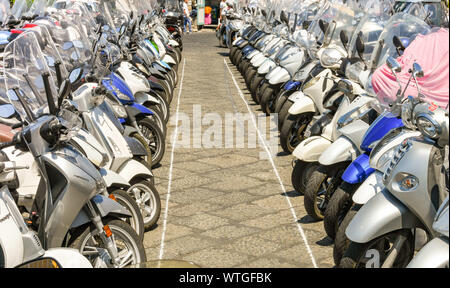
283, 188
169, 185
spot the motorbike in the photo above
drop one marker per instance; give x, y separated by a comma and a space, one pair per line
411, 195
68, 179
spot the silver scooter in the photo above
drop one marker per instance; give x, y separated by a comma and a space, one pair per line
383, 232
69, 209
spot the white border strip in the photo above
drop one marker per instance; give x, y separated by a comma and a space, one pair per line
169, 186
300, 229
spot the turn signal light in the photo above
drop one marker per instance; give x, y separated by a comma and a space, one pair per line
107, 231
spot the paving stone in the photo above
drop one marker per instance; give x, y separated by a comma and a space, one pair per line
229, 232
201, 221
194, 208
193, 195
242, 212
217, 258
253, 246
232, 198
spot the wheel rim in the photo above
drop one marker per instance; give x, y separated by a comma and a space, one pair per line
296, 135
146, 201
321, 195
131, 221
152, 139
93, 249
384, 246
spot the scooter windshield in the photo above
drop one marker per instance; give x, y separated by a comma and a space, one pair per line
4, 11
71, 40
19, 7
370, 28
405, 27
339, 18
37, 8
24, 66
432, 12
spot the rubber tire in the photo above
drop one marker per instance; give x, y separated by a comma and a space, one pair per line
85, 230
284, 112
237, 57
233, 51
124, 199
158, 117
341, 241
356, 250
338, 206
267, 95
301, 171
286, 130
160, 150
246, 66
254, 86
241, 66
260, 90
249, 76
150, 223
316, 179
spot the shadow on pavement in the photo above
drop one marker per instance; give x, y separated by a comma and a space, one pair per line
326, 241
307, 219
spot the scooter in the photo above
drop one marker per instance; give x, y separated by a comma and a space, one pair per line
408, 203
69, 179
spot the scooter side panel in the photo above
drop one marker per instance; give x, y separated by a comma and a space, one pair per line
132, 169
310, 149
340, 151
68, 258
302, 105
112, 179
382, 214
369, 188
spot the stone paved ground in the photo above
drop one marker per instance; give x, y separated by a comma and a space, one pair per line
226, 206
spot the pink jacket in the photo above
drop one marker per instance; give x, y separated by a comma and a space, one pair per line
431, 53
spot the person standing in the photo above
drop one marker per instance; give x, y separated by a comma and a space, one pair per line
187, 18
223, 5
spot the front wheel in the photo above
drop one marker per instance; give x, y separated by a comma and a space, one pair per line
341, 241
293, 131
337, 208
301, 172
154, 137
267, 100
130, 250
319, 189
136, 221
148, 200
374, 253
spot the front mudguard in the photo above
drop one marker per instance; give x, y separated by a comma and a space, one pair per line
67, 257
168, 59
113, 180
369, 188
358, 170
309, 150
381, 215
105, 206
342, 150
433, 255
134, 169
304, 104
144, 98
252, 54
278, 75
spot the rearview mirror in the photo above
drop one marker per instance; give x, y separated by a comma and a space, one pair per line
264, 13
7, 111
344, 38
323, 25
398, 43
393, 65
360, 45
283, 18
75, 75
417, 70
64, 90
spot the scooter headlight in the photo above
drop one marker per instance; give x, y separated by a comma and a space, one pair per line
331, 57
428, 126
